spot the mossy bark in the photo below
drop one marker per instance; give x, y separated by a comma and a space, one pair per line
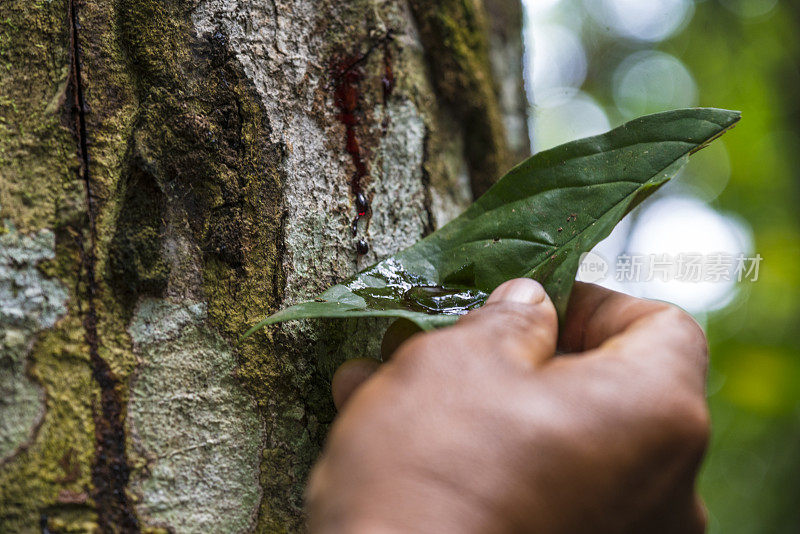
170, 172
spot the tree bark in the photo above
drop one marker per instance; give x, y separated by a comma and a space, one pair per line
170, 172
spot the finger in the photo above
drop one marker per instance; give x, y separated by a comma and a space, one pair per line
518, 320
397, 333
595, 314
349, 377
613, 323
700, 516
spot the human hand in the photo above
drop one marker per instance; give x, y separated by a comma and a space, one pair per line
480, 428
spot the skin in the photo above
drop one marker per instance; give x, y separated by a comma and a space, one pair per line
481, 428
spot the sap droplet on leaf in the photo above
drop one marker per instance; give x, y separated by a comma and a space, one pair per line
442, 300
391, 287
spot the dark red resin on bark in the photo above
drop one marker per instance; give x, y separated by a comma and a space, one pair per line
347, 74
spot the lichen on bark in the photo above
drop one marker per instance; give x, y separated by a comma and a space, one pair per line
29, 303
193, 423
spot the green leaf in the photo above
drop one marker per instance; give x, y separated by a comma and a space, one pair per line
535, 222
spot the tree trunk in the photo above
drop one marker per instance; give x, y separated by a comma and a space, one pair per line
170, 172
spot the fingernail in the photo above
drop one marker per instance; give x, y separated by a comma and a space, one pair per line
521, 290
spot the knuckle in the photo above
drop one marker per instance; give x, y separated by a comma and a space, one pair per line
497, 328
685, 339
510, 327
690, 331
417, 347
688, 425
508, 319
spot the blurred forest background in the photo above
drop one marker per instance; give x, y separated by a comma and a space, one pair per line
593, 64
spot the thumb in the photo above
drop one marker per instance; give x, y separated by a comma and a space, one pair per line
518, 320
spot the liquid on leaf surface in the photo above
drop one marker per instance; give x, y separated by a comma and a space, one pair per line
535, 222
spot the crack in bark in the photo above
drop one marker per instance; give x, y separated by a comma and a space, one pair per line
427, 200
110, 471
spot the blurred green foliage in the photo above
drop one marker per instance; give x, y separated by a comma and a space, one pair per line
750, 480
745, 55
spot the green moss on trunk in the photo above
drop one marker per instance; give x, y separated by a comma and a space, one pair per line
455, 35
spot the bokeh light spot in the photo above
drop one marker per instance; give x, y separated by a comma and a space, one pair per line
649, 20
559, 59
535, 7
674, 226
565, 115
651, 81
749, 9
707, 173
